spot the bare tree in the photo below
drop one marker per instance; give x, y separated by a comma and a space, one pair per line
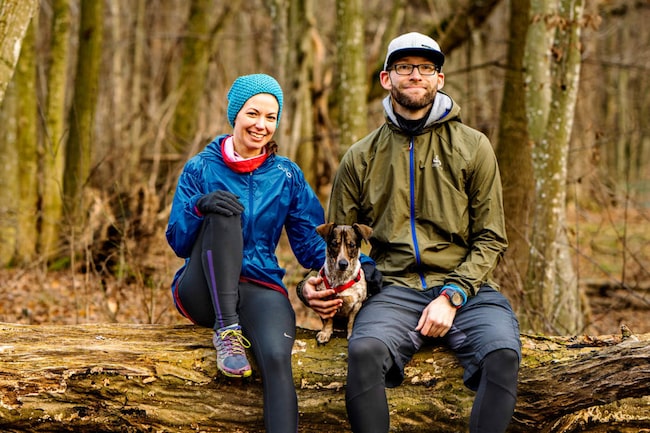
52, 150
26, 142
351, 63
193, 73
298, 53
306, 131
79, 146
15, 16
9, 192
551, 297
514, 152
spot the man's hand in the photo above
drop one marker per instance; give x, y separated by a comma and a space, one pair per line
436, 318
319, 300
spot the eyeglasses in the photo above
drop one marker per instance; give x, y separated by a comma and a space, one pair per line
407, 69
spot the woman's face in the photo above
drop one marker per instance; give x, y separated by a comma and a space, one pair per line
255, 124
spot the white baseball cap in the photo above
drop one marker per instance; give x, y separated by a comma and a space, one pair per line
414, 44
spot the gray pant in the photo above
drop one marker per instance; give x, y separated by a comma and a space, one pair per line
485, 324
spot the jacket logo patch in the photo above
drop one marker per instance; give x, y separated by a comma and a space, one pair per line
436, 162
286, 170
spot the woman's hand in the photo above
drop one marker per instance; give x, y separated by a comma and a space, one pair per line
220, 202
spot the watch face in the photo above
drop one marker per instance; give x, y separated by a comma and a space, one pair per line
456, 299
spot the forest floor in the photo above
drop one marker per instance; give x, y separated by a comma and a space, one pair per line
612, 261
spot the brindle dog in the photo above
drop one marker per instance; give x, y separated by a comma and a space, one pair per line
342, 272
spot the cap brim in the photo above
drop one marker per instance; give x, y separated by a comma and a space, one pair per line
436, 57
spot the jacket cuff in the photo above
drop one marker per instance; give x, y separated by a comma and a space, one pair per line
301, 284
194, 205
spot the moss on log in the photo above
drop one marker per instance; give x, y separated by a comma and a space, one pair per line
151, 378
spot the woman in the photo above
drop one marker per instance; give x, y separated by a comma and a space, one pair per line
231, 203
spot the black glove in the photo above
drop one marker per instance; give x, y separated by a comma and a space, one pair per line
374, 279
221, 202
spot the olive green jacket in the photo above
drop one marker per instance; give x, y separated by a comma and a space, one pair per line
434, 200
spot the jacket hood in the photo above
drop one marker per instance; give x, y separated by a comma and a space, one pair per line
444, 108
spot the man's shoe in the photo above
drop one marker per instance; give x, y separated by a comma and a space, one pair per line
231, 351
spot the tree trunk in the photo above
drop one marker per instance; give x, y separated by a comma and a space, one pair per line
53, 149
350, 58
514, 151
9, 187
193, 75
15, 16
135, 92
295, 49
142, 378
552, 299
312, 138
286, 29
27, 146
82, 113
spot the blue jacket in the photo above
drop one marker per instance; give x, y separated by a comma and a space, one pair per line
275, 196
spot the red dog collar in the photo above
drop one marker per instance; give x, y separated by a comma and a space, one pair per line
339, 289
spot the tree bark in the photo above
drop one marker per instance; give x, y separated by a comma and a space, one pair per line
514, 152
15, 16
78, 156
9, 186
26, 141
552, 298
52, 147
350, 58
137, 378
193, 75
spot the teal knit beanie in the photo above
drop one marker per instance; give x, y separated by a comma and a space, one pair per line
248, 86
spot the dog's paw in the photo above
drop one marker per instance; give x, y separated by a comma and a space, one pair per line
323, 337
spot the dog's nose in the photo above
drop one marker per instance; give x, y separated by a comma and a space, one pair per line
343, 264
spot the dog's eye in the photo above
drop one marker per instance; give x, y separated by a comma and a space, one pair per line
335, 244
351, 245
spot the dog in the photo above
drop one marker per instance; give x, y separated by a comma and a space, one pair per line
342, 272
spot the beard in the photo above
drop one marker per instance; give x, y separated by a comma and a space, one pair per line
413, 103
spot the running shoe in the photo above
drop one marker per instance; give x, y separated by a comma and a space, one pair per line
231, 348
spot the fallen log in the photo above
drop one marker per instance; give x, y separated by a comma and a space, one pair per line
154, 378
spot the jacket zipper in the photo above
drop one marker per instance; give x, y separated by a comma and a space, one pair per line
249, 208
416, 246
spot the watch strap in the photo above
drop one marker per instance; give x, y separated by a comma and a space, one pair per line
455, 289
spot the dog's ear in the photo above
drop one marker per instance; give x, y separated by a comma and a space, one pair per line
363, 231
325, 229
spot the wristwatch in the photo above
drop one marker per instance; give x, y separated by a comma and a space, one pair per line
455, 298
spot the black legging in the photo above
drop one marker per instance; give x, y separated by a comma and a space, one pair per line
266, 316
369, 360
208, 290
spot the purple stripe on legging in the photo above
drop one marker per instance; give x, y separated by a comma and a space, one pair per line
213, 288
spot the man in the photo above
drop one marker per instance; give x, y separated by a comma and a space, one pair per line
430, 188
